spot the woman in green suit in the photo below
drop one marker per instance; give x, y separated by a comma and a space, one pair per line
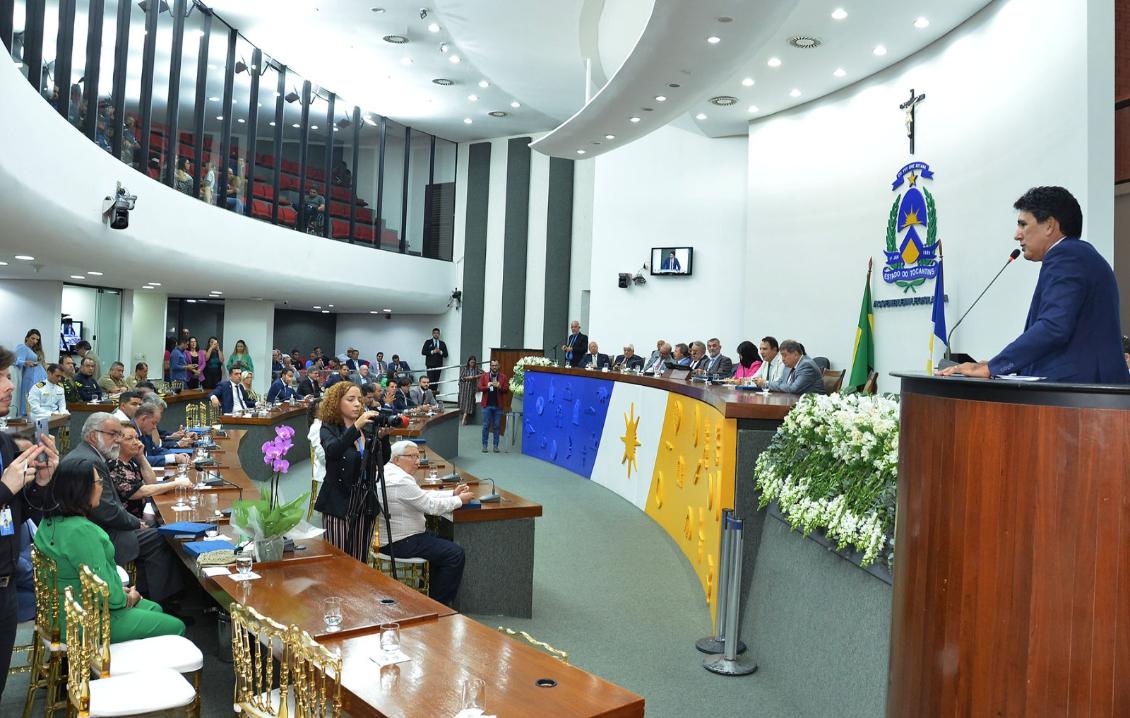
72, 540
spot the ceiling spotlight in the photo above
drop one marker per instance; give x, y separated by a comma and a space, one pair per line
880, 50
774, 62
317, 306
215, 291
921, 23
610, 137
271, 123
147, 287
433, 27
219, 117
336, 129
839, 72
747, 82
580, 152
395, 39
714, 39
95, 274
77, 276
473, 98
633, 119
292, 97
3, 264
660, 98
443, 82
752, 109
241, 121
155, 284
515, 104
466, 120
454, 59
373, 311
296, 126
213, 99
794, 92
444, 47
387, 311
484, 84
191, 301
325, 311
839, 14
313, 127
700, 116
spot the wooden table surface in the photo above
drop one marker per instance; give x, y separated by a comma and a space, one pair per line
284, 411
445, 652
418, 423
108, 405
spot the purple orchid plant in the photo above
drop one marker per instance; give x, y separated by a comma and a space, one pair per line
265, 518
274, 452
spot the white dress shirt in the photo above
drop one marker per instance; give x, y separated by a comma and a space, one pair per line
45, 399
771, 371
408, 503
319, 454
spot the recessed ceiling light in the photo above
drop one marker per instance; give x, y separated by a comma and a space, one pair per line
484, 84
405, 61
839, 14
443, 82
213, 98
77, 276
155, 284
241, 121
515, 104
752, 109
296, 126
466, 120
714, 39
215, 291
880, 50
700, 116
325, 311
373, 311
3, 264
337, 129
473, 98
219, 117
147, 287
25, 257
433, 27
330, 306
839, 72
191, 301
313, 127
774, 62
660, 98
454, 59
387, 311
95, 274
395, 39
794, 92
921, 23
271, 123
318, 306
747, 82
610, 137
580, 152
633, 119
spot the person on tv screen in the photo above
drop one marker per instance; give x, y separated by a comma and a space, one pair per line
671, 263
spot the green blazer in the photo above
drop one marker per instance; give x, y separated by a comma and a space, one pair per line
74, 541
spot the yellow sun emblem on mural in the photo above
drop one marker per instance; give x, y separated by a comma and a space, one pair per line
631, 440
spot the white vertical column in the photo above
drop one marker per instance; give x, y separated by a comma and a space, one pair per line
147, 331
254, 323
535, 250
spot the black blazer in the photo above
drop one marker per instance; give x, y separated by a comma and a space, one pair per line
343, 469
308, 387
430, 359
601, 361
635, 362
580, 348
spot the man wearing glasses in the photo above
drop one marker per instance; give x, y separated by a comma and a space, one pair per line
407, 506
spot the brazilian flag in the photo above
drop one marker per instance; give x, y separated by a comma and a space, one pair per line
863, 356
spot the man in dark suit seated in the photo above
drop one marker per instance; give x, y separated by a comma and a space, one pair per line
88, 389
628, 360
1072, 333
396, 366
594, 359
308, 383
228, 395
146, 418
697, 363
717, 363
801, 375
280, 388
342, 374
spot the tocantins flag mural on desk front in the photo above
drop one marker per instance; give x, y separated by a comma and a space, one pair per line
912, 230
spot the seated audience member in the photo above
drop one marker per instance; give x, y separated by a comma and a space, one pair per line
88, 389
594, 359
140, 373
313, 209
229, 396
380, 366
48, 397
128, 403
352, 360
628, 360
280, 388
133, 476
658, 348
308, 384
235, 194
361, 376
158, 574
69, 382
772, 368
748, 361
146, 419
114, 382
246, 379
681, 355
394, 398
407, 506
801, 376
697, 363
422, 395
342, 374
717, 364
663, 356
396, 366
371, 396
70, 537
276, 363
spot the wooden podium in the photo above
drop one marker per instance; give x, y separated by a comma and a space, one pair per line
506, 359
1012, 567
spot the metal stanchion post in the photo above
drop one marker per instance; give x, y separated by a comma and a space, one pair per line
728, 663
717, 642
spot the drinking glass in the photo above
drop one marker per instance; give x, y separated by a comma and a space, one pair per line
182, 471
200, 477
181, 503
390, 638
474, 693
243, 564
331, 612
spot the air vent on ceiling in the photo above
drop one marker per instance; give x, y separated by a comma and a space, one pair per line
803, 42
443, 82
724, 100
395, 39
498, 113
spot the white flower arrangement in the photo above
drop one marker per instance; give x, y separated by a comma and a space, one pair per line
833, 464
518, 381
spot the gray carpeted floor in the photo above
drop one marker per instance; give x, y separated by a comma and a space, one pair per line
609, 587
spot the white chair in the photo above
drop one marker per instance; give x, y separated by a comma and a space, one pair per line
147, 691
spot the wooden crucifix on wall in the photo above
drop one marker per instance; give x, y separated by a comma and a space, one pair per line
908, 108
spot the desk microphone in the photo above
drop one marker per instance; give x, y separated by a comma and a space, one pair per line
1011, 258
492, 497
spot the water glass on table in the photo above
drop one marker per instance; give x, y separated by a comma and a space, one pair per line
474, 693
390, 639
243, 563
331, 613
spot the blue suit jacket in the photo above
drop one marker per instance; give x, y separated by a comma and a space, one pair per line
279, 391
223, 391
1073, 333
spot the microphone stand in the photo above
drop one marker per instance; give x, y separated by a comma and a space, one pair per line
1011, 258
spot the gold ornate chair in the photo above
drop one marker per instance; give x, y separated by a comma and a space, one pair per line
540, 645
316, 675
148, 691
255, 641
48, 649
412, 572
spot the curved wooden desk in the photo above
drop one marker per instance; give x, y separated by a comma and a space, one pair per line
257, 430
441, 431
1012, 575
171, 418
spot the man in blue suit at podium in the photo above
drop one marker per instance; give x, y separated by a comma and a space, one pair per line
1073, 332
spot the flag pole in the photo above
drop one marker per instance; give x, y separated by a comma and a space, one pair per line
930, 358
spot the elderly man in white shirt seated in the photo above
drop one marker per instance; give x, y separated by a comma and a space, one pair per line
407, 506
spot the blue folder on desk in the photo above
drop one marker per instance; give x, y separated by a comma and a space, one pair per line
195, 548
472, 504
185, 528
180, 450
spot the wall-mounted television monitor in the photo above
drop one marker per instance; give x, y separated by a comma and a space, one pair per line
70, 333
672, 260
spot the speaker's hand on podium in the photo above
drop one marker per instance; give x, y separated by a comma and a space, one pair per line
975, 369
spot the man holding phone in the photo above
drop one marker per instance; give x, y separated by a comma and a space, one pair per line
47, 398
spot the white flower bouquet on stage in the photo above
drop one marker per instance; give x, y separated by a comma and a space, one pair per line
517, 382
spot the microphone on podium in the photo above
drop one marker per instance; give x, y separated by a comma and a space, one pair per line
1011, 258
492, 497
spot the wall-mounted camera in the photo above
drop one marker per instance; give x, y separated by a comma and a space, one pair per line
626, 279
116, 209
